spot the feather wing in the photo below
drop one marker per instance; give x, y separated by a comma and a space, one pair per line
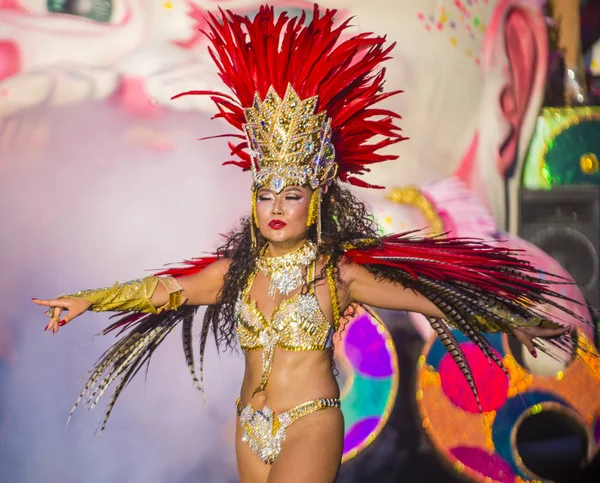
479, 287
139, 335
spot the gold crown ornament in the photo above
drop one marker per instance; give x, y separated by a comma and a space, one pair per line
289, 144
291, 138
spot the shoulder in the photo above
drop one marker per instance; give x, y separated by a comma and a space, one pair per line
221, 265
349, 271
218, 268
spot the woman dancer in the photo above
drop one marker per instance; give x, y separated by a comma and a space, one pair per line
302, 103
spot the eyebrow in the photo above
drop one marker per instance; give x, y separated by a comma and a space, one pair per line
287, 189
296, 189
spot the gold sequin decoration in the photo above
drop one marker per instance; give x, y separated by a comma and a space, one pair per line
335, 303
132, 296
297, 324
285, 271
264, 431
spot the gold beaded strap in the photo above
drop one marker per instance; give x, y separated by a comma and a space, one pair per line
308, 408
335, 302
311, 271
304, 409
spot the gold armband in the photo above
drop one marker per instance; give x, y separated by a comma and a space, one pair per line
133, 296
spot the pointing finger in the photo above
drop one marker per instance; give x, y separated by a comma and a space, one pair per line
48, 302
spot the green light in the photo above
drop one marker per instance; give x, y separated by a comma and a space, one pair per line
546, 173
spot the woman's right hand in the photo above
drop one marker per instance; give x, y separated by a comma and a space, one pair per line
74, 307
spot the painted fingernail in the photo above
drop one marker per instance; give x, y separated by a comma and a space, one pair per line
33, 298
62, 322
47, 327
534, 353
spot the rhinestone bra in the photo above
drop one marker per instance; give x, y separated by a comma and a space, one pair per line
297, 324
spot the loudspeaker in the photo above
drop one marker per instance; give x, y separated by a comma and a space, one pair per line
565, 222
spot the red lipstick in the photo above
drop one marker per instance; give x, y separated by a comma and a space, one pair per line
277, 224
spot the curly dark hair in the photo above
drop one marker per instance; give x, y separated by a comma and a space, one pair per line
344, 218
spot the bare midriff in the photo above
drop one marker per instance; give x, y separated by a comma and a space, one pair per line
296, 377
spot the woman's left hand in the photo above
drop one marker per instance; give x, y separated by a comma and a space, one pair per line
525, 335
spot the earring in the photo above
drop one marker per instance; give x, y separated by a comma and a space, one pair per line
319, 221
312, 208
314, 212
253, 220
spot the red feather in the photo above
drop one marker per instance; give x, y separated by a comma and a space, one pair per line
457, 260
253, 54
190, 267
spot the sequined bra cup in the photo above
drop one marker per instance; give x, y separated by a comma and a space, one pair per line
297, 323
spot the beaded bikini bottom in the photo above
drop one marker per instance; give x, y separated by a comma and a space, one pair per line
264, 431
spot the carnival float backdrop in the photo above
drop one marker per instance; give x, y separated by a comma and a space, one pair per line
101, 177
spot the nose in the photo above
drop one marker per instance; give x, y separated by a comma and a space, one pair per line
277, 205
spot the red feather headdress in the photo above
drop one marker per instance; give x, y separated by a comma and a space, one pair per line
253, 55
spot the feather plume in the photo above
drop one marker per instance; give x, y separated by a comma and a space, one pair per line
317, 60
139, 336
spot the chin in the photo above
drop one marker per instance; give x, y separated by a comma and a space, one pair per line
280, 236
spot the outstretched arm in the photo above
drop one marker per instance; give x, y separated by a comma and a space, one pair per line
151, 294
202, 288
358, 285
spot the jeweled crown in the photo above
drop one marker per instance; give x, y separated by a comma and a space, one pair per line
289, 144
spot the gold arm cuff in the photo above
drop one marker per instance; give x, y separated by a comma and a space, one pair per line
176, 298
132, 296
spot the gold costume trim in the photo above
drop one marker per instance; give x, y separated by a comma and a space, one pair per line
176, 298
335, 302
264, 431
132, 296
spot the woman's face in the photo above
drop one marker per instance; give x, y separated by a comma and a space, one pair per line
282, 216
